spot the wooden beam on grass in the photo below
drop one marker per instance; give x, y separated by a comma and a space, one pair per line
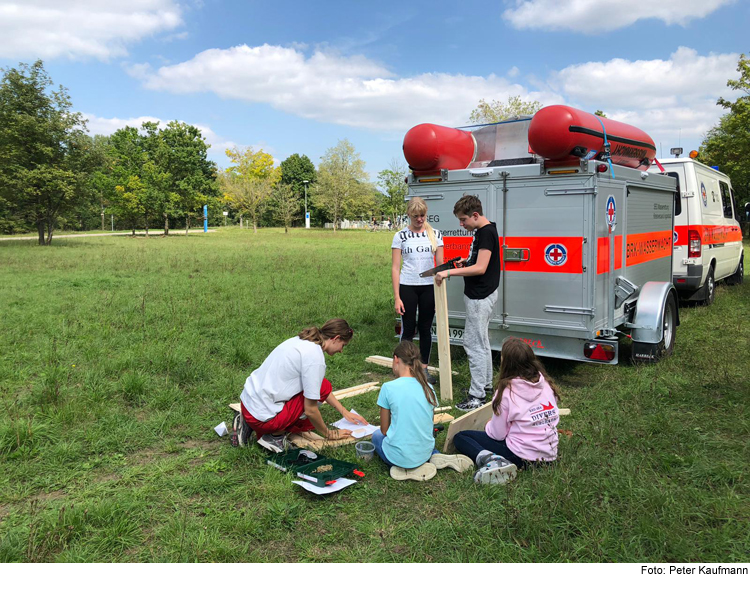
355, 390
443, 341
386, 362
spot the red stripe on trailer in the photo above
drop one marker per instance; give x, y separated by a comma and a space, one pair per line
649, 246
709, 234
559, 132
602, 254
454, 246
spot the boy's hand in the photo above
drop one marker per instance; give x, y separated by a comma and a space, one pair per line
461, 263
440, 277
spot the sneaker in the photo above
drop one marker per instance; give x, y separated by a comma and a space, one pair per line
470, 403
457, 462
424, 472
431, 379
496, 472
242, 434
489, 457
274, 443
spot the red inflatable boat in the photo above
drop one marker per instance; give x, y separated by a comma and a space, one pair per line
557, 133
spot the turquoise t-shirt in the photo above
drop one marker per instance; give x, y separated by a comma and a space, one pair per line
409, 441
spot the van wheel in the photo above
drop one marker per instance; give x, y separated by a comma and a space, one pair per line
652, 352
739, 275
709, 289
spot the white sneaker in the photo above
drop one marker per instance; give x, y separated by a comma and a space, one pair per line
496, 472
457, 462
424, 472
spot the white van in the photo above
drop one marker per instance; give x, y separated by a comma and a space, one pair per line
707, 236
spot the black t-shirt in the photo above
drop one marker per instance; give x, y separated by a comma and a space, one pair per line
479, 287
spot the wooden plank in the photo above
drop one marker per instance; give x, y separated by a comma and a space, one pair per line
442, 418
563, 411
387, 361
313, 441
443, 341
442, 408
471, 421
236, 407
355, 390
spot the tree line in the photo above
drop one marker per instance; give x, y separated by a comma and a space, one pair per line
54, 175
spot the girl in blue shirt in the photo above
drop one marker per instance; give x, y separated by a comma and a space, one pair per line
405, 441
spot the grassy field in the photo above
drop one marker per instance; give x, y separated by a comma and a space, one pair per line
119, 355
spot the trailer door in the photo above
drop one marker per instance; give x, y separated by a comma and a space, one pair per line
544, 286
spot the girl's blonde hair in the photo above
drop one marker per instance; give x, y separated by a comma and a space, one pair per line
336, 327
408, 353
518, 361
417, 206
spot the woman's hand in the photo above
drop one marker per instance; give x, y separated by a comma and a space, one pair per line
400, 307
353, 417
334, 434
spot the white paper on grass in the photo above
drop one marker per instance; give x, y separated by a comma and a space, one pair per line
358, 431
221, 429
324, 490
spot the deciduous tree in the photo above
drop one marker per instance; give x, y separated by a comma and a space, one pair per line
498, 110
727, 145
342, 181
44, 151
249, 181
394, 189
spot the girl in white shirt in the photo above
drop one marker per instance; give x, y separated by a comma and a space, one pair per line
420, 247
282, 395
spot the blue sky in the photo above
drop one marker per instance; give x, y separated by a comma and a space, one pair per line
299, 76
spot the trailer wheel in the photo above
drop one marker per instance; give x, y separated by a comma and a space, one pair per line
652, 352
709, 293
739, 275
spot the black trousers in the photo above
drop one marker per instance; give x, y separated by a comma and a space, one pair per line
422, 298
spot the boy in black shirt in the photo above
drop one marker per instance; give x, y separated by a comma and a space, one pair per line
481, 273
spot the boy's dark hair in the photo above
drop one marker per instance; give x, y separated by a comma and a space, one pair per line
467, 205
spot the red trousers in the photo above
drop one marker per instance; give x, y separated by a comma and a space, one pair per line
288, 419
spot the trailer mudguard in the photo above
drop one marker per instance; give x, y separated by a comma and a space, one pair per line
648, 324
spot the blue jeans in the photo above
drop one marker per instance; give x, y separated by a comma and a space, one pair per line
377, 441
470, 443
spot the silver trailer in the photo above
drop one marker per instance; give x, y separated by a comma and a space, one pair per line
586, 251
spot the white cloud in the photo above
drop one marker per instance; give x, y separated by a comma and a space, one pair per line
79, 29
219, 144
666, 98
599, 16
327, 86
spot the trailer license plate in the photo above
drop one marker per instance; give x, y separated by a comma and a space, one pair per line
456, 335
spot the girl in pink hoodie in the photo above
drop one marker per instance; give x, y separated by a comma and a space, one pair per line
523, 427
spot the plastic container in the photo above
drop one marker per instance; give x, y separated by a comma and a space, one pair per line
365, 450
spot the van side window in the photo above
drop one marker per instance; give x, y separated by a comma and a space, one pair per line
726, 201
737, 214
677, 200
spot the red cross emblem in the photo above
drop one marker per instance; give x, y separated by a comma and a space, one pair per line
611, 212
555, 255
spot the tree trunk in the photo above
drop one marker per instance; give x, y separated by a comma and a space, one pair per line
240, 222
134, 231
146, 224
166, 225
255, 227
50, 229
187, 224
40, 229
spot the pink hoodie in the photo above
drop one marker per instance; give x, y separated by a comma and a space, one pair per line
528, 420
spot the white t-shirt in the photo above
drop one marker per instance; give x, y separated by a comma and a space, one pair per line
294, 366
416, 252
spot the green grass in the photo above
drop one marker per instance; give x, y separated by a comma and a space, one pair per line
119, 356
